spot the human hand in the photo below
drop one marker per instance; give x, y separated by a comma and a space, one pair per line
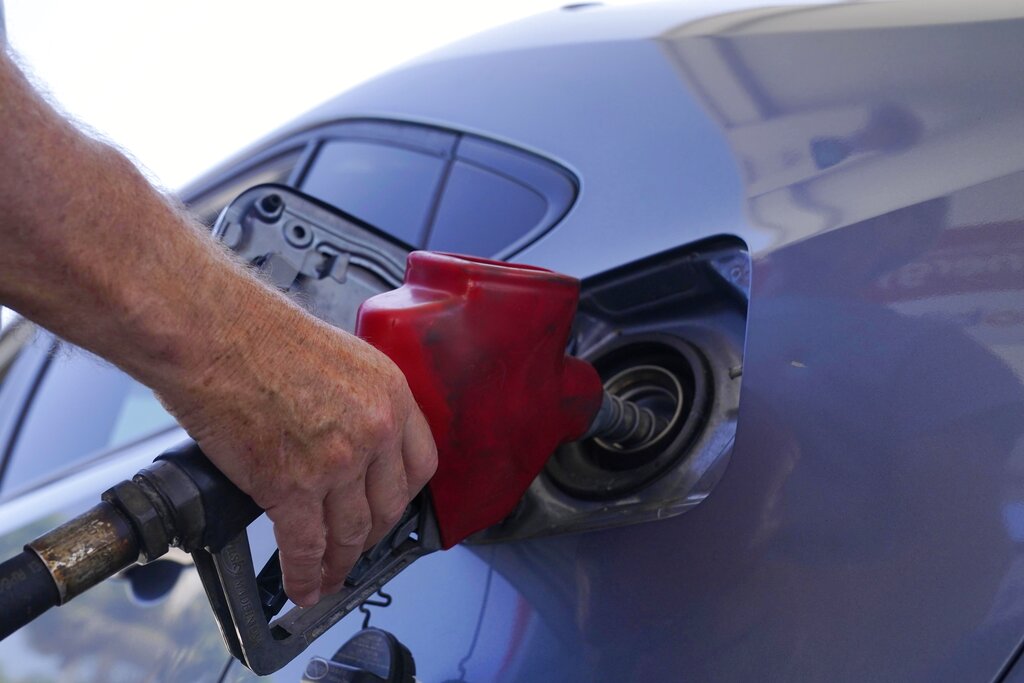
321, 430
315, 425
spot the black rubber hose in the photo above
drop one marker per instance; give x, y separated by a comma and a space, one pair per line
26, 591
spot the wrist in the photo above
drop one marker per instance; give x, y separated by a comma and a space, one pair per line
232, 322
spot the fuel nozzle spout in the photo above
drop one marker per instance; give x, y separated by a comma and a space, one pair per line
640, 405
625, 425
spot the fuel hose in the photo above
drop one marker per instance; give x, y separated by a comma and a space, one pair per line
26, 591
64, 562
181, 499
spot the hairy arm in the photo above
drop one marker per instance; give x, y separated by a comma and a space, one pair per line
318, 427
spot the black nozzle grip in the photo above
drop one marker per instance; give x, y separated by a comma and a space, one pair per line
26, 591
227, 511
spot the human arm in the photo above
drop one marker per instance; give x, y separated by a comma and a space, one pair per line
318, 427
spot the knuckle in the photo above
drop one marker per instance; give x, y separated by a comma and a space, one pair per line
339, 457
391, 516
421, 469
303, 582
353, 534
305, 556
350, 539
392, 378
430, 464
381, 420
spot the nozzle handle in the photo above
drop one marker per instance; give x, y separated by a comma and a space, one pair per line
26, 591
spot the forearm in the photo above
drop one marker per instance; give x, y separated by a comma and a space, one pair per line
318, 427
92, 252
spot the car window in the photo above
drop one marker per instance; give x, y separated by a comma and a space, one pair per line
481, 212
497, 198
389, 186
83, 406
20, 360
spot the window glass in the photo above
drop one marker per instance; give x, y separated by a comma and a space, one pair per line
483, 212
83, 406
389, 187
21, 355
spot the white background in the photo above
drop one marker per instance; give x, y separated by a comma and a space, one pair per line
158, 78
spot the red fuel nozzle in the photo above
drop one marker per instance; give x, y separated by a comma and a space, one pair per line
482, 345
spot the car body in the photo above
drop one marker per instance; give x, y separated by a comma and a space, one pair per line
867, 521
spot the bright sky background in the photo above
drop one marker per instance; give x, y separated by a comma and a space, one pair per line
161, 79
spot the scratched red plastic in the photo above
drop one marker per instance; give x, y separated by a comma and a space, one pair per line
482, 345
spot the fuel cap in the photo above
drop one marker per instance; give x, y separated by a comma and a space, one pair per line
370, 656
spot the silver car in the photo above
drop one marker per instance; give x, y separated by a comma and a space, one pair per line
810, 217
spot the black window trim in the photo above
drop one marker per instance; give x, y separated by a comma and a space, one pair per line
412, 135
471, 154
28, 397
366, 135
